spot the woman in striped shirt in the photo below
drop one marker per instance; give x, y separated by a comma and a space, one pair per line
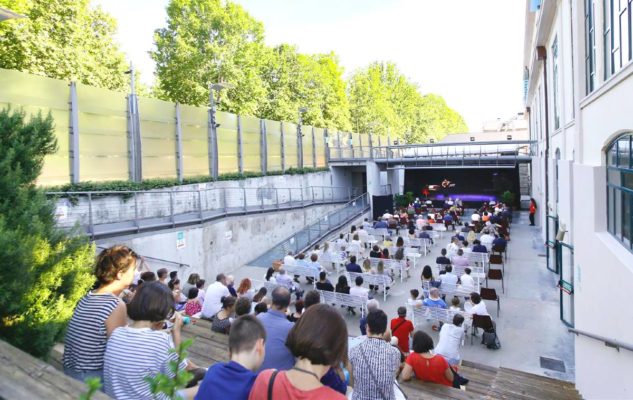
98, 314
142, 349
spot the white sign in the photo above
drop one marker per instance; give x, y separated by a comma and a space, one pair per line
180, 240
202, 186
61, 213
228, 235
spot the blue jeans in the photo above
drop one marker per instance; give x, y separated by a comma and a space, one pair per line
83, 375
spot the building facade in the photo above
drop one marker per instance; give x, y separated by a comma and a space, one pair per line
578, 73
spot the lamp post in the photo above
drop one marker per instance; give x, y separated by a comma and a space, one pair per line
213, 126
301, 111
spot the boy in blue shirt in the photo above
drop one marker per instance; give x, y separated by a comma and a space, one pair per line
233, 380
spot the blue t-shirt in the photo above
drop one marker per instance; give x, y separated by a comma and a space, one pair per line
352, 267
229, 381
278, 356
439, 303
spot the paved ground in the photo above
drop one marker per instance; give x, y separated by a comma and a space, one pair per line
528, 326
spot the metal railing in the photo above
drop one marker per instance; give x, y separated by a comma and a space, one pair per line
315, 232
117, 212
466, 151
607, 342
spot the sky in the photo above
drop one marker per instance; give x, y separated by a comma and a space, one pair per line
470, 52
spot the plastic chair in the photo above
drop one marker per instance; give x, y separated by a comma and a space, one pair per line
481, 321
497, 259
495, 275
501, 250
490, 294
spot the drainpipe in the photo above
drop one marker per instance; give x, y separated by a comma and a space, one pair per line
541, 53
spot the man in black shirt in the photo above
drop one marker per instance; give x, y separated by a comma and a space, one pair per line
443, 259
323, 283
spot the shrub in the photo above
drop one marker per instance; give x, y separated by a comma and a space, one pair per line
44, 271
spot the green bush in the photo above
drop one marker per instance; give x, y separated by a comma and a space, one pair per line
508, 198
44, 272
403, 200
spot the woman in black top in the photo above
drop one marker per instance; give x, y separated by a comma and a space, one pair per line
342, 286
375, 252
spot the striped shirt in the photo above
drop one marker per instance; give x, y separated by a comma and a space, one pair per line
86, 338
383, 360
133, 354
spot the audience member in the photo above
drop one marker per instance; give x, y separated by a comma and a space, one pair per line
311, 298
193, 305
245, 288
191, 283
98, 314
467, 281
234, 379
375, 252
242, 307
299, 306
260, 308
375, 362
352, 266
372, 305
213, 297
277, 327
222, 320
425, 365
478, 247
442, 259
148, 276
324, 283
451, 339
201, 292
402, 328
479, 307
359, 290
288, 259
448, 278
173, 275
230, 284
459, 260
162, 275
414, 301
319, 342
455, 304
133, 352
342, 286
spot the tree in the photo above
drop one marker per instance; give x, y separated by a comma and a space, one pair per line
63, 39
44, 271
383, 100
210, 41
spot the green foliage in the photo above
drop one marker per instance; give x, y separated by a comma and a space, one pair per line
151, 184
63, 39
44, 272
168, 384
383, 100
403, 200
93, 385
508, 198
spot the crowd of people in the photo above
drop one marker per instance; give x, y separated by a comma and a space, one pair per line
123, 329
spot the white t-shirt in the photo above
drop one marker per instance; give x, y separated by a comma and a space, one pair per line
468, 283
450, 340
213, 299
449, 278
289, 260
475, 217
486, 240
479, 309
359, 291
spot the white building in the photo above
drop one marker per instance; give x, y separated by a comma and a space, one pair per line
579, 97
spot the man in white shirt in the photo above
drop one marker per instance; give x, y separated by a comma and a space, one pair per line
213, 297
479, 307
359, 290
468, 283
449, 277
475, 217
486, 239
289, 259
451, 338
341, 243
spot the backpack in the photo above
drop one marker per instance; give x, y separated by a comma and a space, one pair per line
491, 340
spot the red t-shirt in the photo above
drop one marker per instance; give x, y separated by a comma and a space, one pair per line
429, 369
402, 332
283, 389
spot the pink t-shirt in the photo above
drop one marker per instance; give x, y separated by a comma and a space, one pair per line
283, 389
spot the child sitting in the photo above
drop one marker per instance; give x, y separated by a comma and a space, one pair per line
455, 304
193, 306
235, 378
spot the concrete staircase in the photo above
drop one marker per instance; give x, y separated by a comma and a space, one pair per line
485, 382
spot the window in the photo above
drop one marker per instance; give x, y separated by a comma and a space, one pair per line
620, 189
590, 46
555, 91
617, 35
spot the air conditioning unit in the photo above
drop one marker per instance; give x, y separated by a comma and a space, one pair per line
472, 138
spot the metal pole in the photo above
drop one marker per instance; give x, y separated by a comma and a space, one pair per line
314, 161
263, 151
91, 228
212, 137
300, 142
200, 206
244, 194
179, 170
240, 155
262, 193
225, 205
73, 130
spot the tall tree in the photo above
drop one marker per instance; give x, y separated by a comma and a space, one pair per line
44, 271
64, 39
210, 41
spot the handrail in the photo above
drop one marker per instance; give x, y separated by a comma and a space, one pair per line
179, 264
156, 191
607, 342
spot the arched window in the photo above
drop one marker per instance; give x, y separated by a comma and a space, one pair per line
620, 189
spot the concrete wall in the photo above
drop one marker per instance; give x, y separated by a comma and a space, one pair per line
225, 245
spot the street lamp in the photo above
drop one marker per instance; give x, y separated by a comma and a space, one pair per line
301, 111
213, 125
